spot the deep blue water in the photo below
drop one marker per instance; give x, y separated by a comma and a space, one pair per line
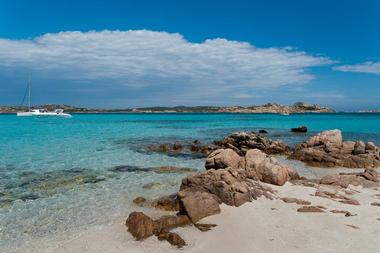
56, 173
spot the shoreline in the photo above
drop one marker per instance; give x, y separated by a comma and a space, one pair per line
265, 225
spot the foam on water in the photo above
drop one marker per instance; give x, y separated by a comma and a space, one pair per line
56, 175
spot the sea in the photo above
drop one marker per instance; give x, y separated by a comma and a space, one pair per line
61, 176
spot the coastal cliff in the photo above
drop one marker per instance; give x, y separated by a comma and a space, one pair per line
299, 107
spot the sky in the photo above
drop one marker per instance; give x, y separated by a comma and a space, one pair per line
120, 54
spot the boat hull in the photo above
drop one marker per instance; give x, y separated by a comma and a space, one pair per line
24, 114
43, 114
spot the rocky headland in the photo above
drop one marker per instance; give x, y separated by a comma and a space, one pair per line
299, 107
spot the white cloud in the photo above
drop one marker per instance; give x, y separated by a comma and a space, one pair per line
142, 58
366, 67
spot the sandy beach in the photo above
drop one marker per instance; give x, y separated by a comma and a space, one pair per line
260, 226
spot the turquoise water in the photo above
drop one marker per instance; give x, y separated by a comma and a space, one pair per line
57, 175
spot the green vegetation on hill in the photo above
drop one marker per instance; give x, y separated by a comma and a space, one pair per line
298, 107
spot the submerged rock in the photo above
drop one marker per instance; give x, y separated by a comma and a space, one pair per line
152, 185
129, 168
185, 149
172, 169
139, 201
300, 129
161, 169
167, 203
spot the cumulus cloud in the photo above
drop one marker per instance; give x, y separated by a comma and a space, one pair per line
366, 67
142, 59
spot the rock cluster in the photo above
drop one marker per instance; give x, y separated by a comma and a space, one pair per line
192, 149
255, 164
236, 171
241, 142
327, 149
230, 179
367, 178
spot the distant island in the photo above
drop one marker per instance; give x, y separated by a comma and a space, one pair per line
298, 107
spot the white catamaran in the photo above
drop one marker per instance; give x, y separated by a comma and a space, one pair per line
39, 112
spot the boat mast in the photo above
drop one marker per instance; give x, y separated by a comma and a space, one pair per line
29, 92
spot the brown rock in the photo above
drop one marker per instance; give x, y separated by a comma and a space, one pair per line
328, 192
347, 147
197, 204
173, 238
223, 158
163, 148
243, 141
359, 148
306, 182
328, 150
292, 173
350, 202
346, 213
172, 169
300, 129
152, 185
139, 201
366, 178
266, 169
167, 203
331, 136
352, 226
370, 146
341, 180
229, 186
297, 201
177, 146
166, 223
140, 225
310, 209
204, 227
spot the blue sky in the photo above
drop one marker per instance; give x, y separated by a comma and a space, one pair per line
145, 53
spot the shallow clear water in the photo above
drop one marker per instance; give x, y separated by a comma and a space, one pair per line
56, 174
